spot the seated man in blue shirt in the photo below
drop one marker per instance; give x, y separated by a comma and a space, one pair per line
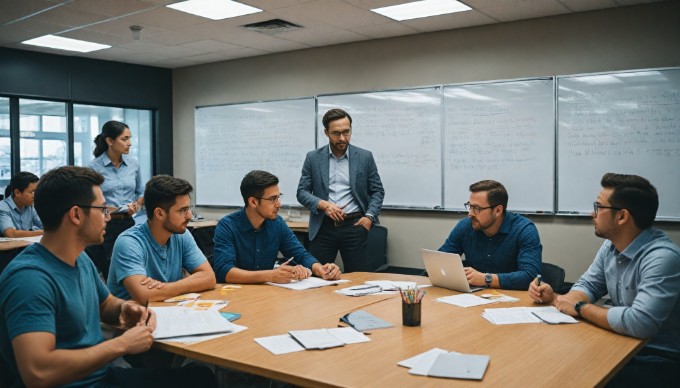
148, 258
502, 249
17, 215
639, 267
247, 241
53, 300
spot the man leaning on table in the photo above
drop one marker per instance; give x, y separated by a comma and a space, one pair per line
53, 301
502, 249
639, 267
247, 241
148, 259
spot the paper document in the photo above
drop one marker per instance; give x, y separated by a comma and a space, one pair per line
32, 239
327, 338
361, 320
204, 304
194, 339
464, 300
440, 363
498, 297
361, 290
183, 297
430, 355
280, 344
179, 322
395, 285
512, 315
553, 316
306, 284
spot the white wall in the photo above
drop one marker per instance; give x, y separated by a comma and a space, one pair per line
637, 37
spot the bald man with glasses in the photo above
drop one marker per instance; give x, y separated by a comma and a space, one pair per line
502, 249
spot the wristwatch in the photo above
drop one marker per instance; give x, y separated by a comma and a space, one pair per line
488, 279
370, 217
579, 305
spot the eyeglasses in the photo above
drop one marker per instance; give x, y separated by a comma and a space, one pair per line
476, 209
104, 208
273, 199
597, 206
344, 133
183, 211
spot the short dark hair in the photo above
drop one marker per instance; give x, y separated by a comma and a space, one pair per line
20, 181
255, 183
162, 191
635, 194
61, 188
335, 114
496, 193
111, 129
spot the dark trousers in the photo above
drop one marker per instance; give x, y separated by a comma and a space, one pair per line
101, 254
649, 368
190, 376
350, 240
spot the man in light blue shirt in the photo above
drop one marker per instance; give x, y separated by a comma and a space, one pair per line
18, 218
639, 267
148, 259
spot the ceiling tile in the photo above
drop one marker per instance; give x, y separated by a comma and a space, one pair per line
522, 9
333, 12
166, 18
587, 5
169, 37
385, 30
11, 10
69, 16
96, 37
211, 45
240, 36
176, 51
121, 28
111, 8
323, 35
450, 21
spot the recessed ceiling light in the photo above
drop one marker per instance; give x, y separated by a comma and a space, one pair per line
61, 43
421, 9
214, 9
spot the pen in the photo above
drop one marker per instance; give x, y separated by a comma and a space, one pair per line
538, 280
289, 260
148, 315
364, 288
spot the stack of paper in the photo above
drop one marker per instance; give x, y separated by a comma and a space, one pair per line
306, 284
299, 340
362, 321
464, 300
507, 316
174, 322
440, 363
361, 290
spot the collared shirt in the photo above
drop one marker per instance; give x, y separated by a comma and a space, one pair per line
136, 252
339, 191
238, 244
643, 282
121, 185
41, 293
514, 253
12, 217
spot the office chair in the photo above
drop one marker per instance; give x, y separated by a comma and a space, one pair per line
377, 249
553, 275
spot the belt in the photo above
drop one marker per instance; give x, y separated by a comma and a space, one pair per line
349, 218
120, 216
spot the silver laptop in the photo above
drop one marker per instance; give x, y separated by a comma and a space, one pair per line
446, 270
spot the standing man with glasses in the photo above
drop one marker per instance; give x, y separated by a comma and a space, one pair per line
247, 241
502, 249
639, 267
148, 258
341, 188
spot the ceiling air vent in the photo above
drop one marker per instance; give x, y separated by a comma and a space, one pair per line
272, 27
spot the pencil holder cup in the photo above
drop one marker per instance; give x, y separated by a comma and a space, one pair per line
410, 314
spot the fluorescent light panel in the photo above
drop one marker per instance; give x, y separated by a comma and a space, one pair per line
61, 43
421, 9
214, 9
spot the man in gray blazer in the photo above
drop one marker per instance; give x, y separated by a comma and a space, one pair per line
341, 188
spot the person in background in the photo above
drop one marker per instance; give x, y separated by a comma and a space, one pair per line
247, 241
502, 249
122, 187
639, 267
148, 259
53, 301
17, 215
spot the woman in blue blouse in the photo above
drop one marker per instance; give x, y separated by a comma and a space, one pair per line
122, 188
17, 216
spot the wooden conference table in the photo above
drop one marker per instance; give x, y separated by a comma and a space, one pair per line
9, 250
536, 355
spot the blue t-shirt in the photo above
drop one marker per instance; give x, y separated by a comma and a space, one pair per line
41, 293
12, 217
238, 244
137, 253
514, 253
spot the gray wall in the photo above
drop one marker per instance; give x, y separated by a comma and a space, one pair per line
618, 39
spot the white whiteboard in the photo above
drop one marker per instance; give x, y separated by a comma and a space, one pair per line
619, 122
232, 140
403, 131
503, 131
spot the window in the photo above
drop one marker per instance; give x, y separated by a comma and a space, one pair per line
43, 135
5, 145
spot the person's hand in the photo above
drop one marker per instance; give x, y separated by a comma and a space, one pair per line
330, 271
137, 339
474, 277
365, 222
301, 272
152, 283
334, 211
565, 303
283, 274
541, 294
132, 208
133, 314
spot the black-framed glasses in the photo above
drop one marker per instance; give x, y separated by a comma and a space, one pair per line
597, 206
273, 199
104, 208
476, 209
345, 133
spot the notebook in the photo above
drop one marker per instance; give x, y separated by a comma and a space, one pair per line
446, 270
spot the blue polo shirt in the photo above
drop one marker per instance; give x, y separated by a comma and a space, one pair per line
121, 185
41, 293
238, 244
514, 253
137, 253
12, 217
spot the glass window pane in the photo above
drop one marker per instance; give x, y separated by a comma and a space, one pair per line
43, 141
5, 147
88, 120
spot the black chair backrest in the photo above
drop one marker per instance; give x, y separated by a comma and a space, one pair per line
553, 275
377, 248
